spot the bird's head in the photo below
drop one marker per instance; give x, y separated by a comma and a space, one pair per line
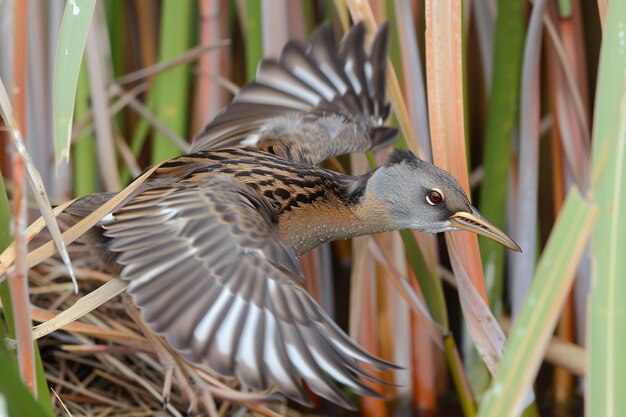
418, 195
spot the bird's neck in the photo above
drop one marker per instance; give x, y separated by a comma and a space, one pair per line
305, 228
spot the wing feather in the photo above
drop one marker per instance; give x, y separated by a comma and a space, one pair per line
297, 101
213, 278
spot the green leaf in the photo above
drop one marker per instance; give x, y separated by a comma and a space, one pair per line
84, 151
533, 328
171, 91
17, 398
428, 280
253, 37
501, 123
11, 386
72, 38
607, 309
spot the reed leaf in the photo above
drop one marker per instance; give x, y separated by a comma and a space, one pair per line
428, 280
523, 264
19, 398
172, 86
501, 123
15, 399
5, 217
607, 317
253, 35
533, 327
34, 178
84, 150
69, 54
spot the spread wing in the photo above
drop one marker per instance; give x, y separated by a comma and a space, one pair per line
312, 103
208, 272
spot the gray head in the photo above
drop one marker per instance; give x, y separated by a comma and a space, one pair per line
417, 195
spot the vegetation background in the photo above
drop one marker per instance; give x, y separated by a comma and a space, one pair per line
522, 101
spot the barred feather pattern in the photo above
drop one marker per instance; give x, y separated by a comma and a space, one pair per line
207, 270
313, 103
209, 242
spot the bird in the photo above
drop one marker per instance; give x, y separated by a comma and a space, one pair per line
209, 243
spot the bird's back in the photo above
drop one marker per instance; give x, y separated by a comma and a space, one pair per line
297, 195
285, 184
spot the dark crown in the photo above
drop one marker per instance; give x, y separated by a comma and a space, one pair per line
402, 155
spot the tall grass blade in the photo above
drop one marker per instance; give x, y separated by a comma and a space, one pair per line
13, 393
523, 264
275, 24
69, 54
14, 293
607, 317
210, 96
413, 77
428, 281
485, 15
444, 71
501, 122
172, 87
84, 151
100, 77
533, 328
34, 179
5, 217
253, 35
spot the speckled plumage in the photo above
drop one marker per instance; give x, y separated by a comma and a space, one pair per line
209, 242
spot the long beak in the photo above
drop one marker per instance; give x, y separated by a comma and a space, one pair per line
475, 222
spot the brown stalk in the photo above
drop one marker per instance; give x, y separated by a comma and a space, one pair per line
413, 77
310, 264
569, 133
444, 75
211, 96
424, 375
146, 29
360, 273
275, 26
408, 290
18, 279
91, 330
87, 393
368, 338
363, 11
99, 79
570, 111
562, 379
603, 7
392, 323
421, 324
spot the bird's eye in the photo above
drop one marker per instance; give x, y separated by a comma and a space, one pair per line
434, 197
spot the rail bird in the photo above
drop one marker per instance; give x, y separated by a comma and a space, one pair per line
209, 242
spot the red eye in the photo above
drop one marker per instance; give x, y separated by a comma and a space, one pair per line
434, 197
